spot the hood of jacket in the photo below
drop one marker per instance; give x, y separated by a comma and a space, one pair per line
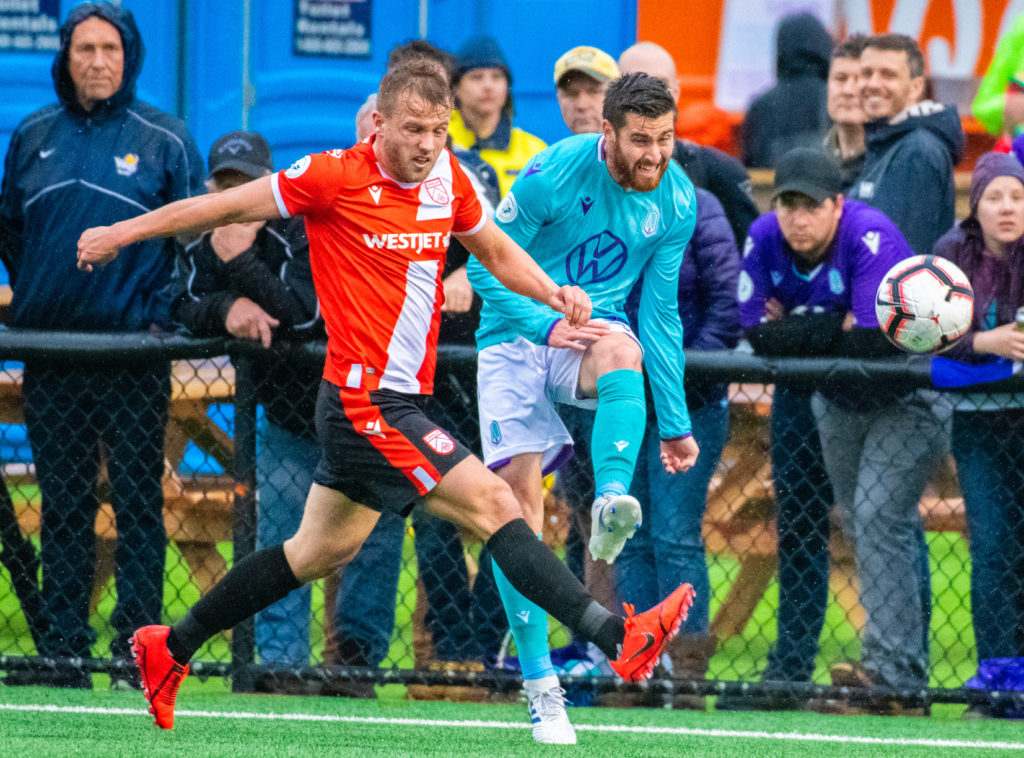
943, 121
134, 52
803, 47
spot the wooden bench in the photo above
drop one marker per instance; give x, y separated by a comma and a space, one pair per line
198, 510
740, 516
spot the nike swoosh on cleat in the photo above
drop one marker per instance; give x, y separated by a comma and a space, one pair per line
645, 648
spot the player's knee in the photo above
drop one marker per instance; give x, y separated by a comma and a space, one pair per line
313, 558
618, 352
497, 506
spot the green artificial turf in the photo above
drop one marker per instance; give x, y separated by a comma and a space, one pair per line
213, 722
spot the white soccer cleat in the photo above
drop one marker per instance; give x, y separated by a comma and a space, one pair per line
546, 702
614, 519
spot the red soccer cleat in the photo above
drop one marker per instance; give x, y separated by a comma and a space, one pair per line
648, 633
161, 674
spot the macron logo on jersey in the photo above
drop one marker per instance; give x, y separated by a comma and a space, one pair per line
870, 240
418, 241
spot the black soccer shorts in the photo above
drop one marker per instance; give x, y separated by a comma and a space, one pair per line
379, 449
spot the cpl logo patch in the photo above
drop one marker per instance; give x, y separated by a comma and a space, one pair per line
495, 433
508, 210
298, 168
596, 259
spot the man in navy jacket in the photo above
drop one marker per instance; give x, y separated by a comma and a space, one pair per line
912, 144
96, 156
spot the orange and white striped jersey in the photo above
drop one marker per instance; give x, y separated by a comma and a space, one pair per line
377, 248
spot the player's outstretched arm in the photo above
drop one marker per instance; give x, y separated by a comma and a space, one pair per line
513, 267
253, 201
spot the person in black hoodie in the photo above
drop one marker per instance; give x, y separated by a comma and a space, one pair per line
96, 156
912, 144
793, 113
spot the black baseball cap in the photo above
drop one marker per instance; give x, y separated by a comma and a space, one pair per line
247, 152
808, 171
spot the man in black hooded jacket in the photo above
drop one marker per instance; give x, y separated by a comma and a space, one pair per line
96, 156
793, 113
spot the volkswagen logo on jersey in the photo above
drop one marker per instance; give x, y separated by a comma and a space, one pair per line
597, 259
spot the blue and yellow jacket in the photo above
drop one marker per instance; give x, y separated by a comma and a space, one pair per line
508, 149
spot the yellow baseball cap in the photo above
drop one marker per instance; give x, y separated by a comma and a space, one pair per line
589, 60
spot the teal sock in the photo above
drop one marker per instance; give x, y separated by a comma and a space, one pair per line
618, 430
529, 624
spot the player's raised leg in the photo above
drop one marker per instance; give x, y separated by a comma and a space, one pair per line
611, 372
472, 496
331, 532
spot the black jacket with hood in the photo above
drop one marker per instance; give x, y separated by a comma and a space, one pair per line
794, 112
908, 171
68, 169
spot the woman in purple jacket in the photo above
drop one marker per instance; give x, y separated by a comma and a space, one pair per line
988, 428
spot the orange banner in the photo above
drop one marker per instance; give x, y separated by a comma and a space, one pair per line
958, 37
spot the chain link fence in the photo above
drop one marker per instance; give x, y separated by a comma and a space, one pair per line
835, 532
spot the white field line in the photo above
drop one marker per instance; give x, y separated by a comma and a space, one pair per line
475, 724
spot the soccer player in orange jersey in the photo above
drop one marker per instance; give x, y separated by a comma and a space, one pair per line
378, 217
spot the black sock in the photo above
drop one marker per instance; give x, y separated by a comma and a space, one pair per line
533, 569
256, 581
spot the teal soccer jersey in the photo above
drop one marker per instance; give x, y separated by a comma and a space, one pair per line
584, 229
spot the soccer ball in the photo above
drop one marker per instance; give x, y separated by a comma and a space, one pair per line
924, 304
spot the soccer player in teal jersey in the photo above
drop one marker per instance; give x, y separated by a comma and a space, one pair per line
597, 211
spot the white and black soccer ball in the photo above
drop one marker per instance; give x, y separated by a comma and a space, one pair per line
924, 304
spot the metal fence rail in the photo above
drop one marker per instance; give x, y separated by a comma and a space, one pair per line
434, 622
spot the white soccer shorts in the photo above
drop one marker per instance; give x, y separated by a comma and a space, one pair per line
518, 384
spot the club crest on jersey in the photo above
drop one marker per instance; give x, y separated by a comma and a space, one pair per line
596, 259
436, 191
440, 442
835, 282
745, 287
650, 225
127, 165
298, 168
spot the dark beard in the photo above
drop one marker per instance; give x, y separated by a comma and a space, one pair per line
630, 176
